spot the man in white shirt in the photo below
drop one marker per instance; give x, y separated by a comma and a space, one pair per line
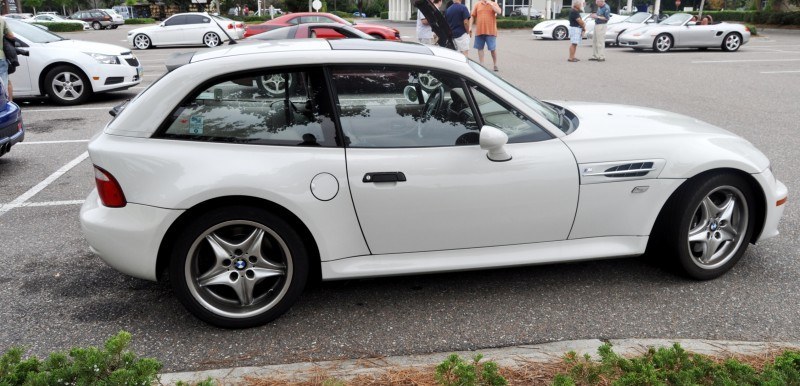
424, 32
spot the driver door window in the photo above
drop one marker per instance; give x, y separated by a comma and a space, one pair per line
175, 20
391, 107
497, 113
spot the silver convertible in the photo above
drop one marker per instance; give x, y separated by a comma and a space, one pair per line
679, 31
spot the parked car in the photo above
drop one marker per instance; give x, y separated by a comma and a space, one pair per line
359, 14
244, 194
48, 19
554, 29
524, 11
617, 28
69, 71
18, 16
97, 18
590, 23
377, 31
234, 28
678, 31
191, 28
310, 30
12, 131
116, 18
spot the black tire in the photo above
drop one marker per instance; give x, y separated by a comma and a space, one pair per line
260, 259
561, 33
96, 26
706, 227
114, 26
142, 42
663, 43
67, 85
732, 42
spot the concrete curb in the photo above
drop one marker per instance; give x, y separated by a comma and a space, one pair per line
505, 357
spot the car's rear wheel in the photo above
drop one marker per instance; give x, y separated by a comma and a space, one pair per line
663, 43
211, 39
67, 85
560, 33
96, 25
114, 26
238, 267
732, 42
708, 225
141, 41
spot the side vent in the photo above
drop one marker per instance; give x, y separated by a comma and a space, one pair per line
639, 169
603, 172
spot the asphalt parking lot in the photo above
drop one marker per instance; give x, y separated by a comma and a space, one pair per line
55, 294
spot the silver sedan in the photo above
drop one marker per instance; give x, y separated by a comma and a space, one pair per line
679, 31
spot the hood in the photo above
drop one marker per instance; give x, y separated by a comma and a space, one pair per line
91, 47
645, 28
608, 132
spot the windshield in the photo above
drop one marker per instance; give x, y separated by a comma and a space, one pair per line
676, 19
543, 109
639, 17
32, 32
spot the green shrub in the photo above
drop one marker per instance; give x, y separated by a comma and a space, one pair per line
343, 14
256, 19
62, 27
752, 28
455, 371
144, 20
110, 365
675, 366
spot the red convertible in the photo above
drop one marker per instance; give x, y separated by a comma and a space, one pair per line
376, 31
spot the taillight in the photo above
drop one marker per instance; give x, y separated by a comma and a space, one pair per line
230, 26
108, 188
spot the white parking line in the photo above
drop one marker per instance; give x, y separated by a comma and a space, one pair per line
780, 72
20, 201
71, 109
745, 61
53, 142
52, 203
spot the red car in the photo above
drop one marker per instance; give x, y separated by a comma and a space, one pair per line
376, 31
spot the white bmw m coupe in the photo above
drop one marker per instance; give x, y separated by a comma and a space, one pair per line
357, 170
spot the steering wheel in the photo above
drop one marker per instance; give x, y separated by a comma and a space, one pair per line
434, 102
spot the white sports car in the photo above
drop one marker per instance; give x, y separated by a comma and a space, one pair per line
69, 71
615, 28
559, 29
679, 31
238, 196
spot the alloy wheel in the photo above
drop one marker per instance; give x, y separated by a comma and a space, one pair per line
717, 227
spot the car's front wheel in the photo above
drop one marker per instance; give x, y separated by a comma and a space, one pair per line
211, 39
663, 43
141, 41
709, 224
560, 33
732, 42
238, 267
97, 26
114, 26
67, 85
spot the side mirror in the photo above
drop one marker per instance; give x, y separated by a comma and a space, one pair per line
493, 140
161, 24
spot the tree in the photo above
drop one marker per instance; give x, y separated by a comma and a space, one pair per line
34, 4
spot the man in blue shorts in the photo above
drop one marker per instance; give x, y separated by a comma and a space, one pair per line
484, 16
576, 28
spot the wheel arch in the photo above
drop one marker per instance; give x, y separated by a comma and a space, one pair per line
45, 70
759, 200
173, 232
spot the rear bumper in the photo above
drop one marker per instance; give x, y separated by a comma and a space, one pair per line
128, 238
11, 127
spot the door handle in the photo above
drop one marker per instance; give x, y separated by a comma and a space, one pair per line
384, 177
